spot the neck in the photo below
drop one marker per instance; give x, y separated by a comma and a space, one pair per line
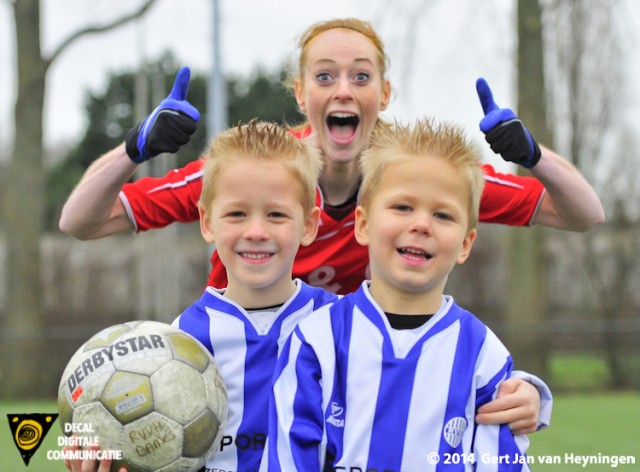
252, 297
404, 302
339, 181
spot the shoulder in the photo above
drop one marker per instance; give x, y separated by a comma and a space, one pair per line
322, 297
469, 323
211, 298
335, 310
318, 295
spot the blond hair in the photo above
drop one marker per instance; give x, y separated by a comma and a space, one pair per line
262, 141
354, 24
394, 143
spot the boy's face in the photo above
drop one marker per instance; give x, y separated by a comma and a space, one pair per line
257, 223
415, 225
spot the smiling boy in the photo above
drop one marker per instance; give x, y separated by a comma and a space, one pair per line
257, 206
391, 376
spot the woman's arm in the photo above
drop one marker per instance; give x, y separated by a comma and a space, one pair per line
569, 202
94, 210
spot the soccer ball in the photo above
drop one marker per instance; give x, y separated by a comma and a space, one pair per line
148, 390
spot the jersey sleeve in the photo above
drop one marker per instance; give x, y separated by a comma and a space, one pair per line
156, 202
509, 199
495, 447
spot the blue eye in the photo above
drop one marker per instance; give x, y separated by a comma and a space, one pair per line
362, 77
443, 216
323, 77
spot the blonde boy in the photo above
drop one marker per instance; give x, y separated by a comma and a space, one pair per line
257, 206
390, 377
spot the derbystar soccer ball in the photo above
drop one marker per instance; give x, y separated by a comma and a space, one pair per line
148, 390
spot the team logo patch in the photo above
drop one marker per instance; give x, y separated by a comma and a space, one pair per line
454, 429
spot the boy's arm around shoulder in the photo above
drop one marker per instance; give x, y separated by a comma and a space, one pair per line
495, 444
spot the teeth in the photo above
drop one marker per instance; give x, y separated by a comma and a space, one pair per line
342, 115
255, 256
413, 251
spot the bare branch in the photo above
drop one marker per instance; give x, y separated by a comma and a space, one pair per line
99, 29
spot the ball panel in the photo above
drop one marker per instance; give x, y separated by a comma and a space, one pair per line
179, 404
127, 396
85, 376
189, 350
103, 424
216, 392
141, 351
200, 435
152, 441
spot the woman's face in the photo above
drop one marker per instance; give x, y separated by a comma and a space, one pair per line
341, 90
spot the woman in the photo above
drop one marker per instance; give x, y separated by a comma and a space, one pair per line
341, 97
340, 86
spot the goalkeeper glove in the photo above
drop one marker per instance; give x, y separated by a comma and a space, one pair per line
504, 132
168, 127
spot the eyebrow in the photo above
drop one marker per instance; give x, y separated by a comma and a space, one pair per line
360, 59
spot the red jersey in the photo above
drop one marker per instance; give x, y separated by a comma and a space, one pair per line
335, 260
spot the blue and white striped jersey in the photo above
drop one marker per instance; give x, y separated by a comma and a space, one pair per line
353, 394
246, 346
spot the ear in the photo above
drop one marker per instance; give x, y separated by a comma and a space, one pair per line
386, 95
205, 226
299, 93
311, 227
360, 229
467, 244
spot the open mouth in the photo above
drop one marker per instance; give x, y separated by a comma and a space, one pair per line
342, 125
414, 254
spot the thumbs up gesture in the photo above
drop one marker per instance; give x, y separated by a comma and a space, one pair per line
504, 132
168, 127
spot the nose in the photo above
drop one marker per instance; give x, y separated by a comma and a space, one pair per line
421, 223
256, 230
343, 90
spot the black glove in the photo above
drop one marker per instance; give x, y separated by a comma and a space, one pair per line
504, 132
168, 127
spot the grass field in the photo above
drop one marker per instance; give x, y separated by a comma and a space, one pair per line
588, 425
601, 425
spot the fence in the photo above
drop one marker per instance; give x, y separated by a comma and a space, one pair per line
92, 285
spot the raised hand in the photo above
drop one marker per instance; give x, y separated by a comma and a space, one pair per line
504, 132
168, 127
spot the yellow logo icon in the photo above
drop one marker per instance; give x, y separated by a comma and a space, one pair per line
28, 431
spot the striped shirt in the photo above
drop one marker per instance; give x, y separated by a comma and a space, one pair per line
352, 394
246, 346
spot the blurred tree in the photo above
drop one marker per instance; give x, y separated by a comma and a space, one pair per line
525, 294
591, 115
110, 115
263, 96
24, 197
